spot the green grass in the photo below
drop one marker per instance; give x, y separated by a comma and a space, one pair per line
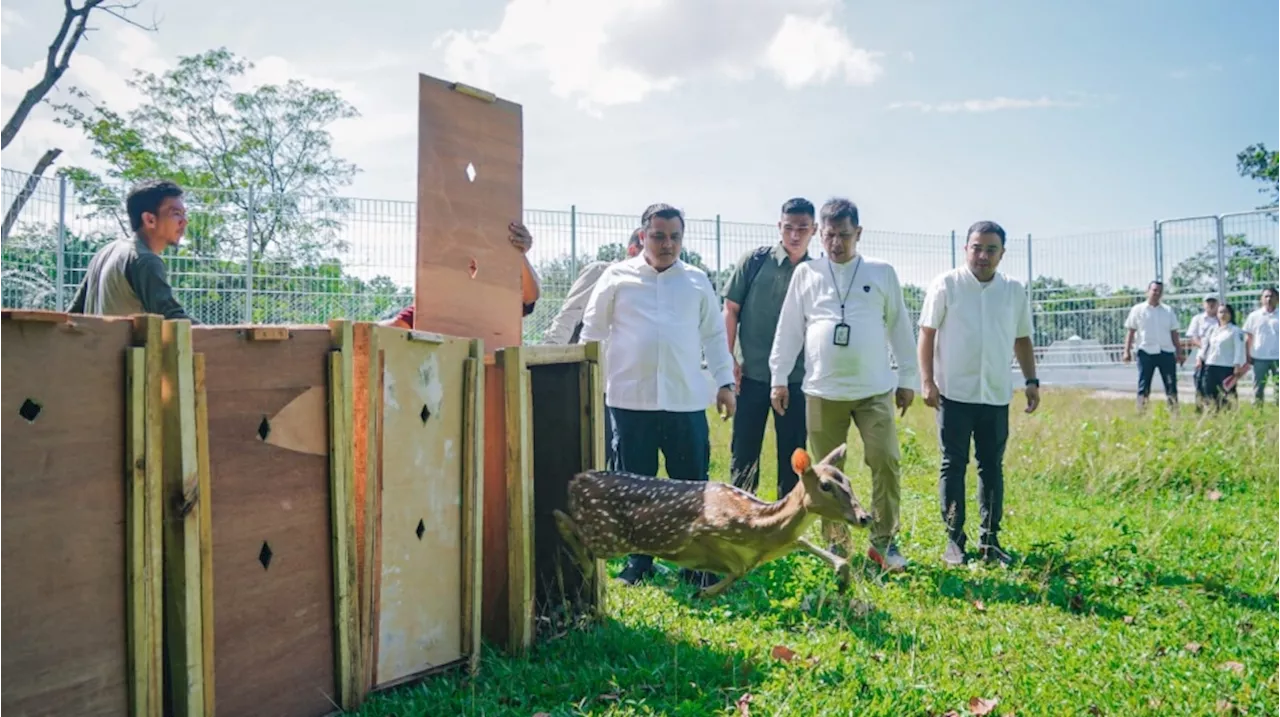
1147, 585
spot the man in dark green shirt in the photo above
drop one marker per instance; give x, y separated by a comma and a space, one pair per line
753, 299
127, 276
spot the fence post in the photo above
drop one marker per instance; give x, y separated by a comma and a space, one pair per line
60, 278
248, 264
1222, 261
573, 239
1156, 241
719, 262
1031, 275
953, 248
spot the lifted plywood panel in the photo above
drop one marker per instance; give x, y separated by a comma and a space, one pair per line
64, 517
468, 277
268, 437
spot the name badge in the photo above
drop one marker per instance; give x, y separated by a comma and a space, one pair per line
841, 336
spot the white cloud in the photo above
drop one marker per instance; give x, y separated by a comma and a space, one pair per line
603, 53
994, 104
10, 20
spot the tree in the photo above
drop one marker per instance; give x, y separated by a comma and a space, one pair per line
1257, 163
1247, 264
75, 24
265, 153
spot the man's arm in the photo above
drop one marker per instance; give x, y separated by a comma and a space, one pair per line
731, 313
78, 301
901, 338
597, 318
932, 313
734, 293
530, 286
714, 345
151, 283
788, 338
575, 303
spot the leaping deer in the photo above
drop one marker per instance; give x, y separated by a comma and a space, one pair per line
706, 525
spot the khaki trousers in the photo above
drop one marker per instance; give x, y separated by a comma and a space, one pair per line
828, 427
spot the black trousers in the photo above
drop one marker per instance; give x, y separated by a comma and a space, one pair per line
749, 421
1167, 363
683, 438
988, 427
1211, 378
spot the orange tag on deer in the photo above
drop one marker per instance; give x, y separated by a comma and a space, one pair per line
799, 461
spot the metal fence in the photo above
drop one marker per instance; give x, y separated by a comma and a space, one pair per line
296, 259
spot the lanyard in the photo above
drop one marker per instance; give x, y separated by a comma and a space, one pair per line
847, 289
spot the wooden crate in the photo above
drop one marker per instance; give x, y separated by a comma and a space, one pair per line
260, 582
552, 407
81, 495
419, 406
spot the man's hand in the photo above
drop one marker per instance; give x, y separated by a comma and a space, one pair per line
737, 376
726, 403
521, 239
1033, 398
930, 394
780, 397
1181, 357
903, 398
1127, 356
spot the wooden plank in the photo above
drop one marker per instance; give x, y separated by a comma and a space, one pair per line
595, 459
495, 603
473, 507
553, 353
419, 595
148, 334
519, 500
183, 608
268, 333
65, 521
364, 397
342, 516
206, 530
135, 498
49, 317
274, 604
468, 276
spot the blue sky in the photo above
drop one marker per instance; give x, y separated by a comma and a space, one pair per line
1052, 118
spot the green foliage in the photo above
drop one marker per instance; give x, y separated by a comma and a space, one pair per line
1258, 163
1247, 264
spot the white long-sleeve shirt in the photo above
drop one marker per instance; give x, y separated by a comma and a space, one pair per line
656, 326
876, 313
1224, 346
575, 303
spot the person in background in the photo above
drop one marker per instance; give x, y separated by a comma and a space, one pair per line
656, 315
1225, 356
1200, 326
530, 287
1156, 329
972, 318
752, 300
128, 276
1263, 331
567, 324
842, 310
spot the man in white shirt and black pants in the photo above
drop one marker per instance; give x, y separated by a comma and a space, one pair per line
841, 310
1262, 328
972, 319
657, 315
1159, 347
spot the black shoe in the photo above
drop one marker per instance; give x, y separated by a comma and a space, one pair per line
993, 553
635, 571
954, 555
698, 578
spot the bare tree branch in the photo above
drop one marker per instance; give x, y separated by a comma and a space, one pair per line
20, 201
58, 58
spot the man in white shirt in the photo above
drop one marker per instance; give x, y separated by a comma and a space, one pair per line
1155, 327
656, 316
1198, 330
972, 319
841, 310
1263, 331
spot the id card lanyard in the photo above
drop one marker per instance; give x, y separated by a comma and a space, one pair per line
841, 337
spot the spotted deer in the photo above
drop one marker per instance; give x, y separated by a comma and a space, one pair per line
706, 525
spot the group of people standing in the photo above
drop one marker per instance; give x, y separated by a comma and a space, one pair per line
814, 336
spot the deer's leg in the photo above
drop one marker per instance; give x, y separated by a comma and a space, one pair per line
837, 563
714, 590
569, 531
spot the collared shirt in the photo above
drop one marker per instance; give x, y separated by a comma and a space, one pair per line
575, 303
876, 314
977, 324
761, 303
1154, 326
656, 327
125, 277
1265, 328
1200, 326
1224, 346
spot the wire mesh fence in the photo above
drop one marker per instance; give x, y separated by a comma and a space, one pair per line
288, 259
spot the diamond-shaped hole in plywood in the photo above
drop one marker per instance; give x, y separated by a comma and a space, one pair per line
29, 410
264, 428
426, 413
264, 555
472, 268
422, 528
471, 172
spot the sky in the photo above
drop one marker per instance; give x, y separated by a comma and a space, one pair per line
1050, 118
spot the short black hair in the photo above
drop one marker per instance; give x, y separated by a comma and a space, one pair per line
637, 237
798, 205
1155, 282
838, 208
986, 227
147, 197
1273, 290
662, 211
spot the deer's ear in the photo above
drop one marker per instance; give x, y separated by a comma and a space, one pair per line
800, 461
834, 455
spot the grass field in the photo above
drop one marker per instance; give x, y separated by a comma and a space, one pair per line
1147, 584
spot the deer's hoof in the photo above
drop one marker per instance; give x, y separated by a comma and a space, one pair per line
844, 575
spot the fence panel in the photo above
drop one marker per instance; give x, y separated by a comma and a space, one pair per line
1249, 256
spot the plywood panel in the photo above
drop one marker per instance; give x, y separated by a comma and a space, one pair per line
495, 611
273, 625
63, 517
463, 223
419, 600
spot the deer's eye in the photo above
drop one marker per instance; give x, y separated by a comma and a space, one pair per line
826, 486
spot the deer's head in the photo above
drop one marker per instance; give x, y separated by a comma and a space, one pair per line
827, 488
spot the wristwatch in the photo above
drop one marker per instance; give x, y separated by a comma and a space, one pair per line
1033, 382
